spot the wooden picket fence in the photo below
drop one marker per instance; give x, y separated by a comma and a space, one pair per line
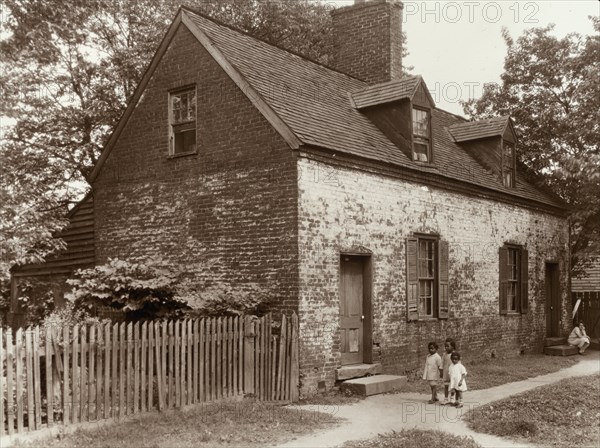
87, 373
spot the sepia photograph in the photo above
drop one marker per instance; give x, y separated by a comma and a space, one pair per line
299, 223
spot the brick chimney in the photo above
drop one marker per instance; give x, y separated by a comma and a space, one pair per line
368, 40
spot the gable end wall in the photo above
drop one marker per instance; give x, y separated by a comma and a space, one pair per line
231, 209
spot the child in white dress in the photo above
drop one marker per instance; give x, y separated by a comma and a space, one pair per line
449, 347
457, 373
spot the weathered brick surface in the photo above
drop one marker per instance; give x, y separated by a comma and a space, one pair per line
340, 209
368, 40
231, 208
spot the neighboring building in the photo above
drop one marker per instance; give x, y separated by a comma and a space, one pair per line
383, 221
589, 281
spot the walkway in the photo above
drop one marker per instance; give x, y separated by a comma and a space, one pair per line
384, 413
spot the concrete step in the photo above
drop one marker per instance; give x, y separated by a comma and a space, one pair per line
561, 350
357, 371
549, 342
373, 385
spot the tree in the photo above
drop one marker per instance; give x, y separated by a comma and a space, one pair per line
551, 88
68, 71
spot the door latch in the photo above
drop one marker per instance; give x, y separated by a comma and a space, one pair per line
362, 317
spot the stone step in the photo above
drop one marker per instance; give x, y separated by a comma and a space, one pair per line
549, 342
561, 350
373, 385
357, 371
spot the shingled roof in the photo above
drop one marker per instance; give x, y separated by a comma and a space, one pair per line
387, 92
473, 130
309, 104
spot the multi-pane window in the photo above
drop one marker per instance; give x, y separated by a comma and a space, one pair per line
421, 123
182, 120
426, 277
508, 164
513, 280
514, 274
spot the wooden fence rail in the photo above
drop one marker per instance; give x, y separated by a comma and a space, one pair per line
86, 373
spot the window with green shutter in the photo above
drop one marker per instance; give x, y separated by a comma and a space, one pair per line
426, 278
514, 280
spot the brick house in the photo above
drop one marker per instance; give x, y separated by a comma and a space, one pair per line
383, 221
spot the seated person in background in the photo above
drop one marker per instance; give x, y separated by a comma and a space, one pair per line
579, 338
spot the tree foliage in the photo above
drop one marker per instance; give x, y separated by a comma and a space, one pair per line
68, 70
551, 88
146, 289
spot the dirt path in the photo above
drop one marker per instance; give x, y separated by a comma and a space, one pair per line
385, 413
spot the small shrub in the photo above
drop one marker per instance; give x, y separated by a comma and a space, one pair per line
140, 289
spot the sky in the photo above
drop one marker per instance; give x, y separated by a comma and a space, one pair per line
457, 46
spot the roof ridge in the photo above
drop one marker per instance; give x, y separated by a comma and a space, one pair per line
279, 47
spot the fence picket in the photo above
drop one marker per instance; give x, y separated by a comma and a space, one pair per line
202, 361
107, 358
122, 344
159, 366
37, 377
28, 349
2, 351
196, 383
10, 404
172, 354
212, 334
144, 345
129, 371
180, 363
83, 374
164, 344
66, 387
98, 381
48, 366
189, 348
150, 382
295, 371
115, 371
136, 367
91, 379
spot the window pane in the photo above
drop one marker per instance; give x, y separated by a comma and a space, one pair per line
420, 123
185, 141
421, 151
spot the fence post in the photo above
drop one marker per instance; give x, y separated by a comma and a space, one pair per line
248, 355
295, 374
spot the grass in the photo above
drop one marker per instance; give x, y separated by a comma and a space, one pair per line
245, 423
333, 397
562, 414
483, 374
414, 438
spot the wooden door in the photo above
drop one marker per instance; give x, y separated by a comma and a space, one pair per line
552, 300
351, 310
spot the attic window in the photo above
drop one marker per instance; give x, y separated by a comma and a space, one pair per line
182, 122
421, 124
508, 164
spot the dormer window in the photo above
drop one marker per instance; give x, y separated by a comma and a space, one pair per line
508, 164
421, 125
182, 122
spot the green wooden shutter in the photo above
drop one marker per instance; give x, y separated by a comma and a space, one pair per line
524, 281
503, 264
443, 300
412, 279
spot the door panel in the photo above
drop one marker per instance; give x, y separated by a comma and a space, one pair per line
553, 305
351, 310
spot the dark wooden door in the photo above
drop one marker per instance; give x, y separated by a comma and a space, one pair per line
351, 310
552, 300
